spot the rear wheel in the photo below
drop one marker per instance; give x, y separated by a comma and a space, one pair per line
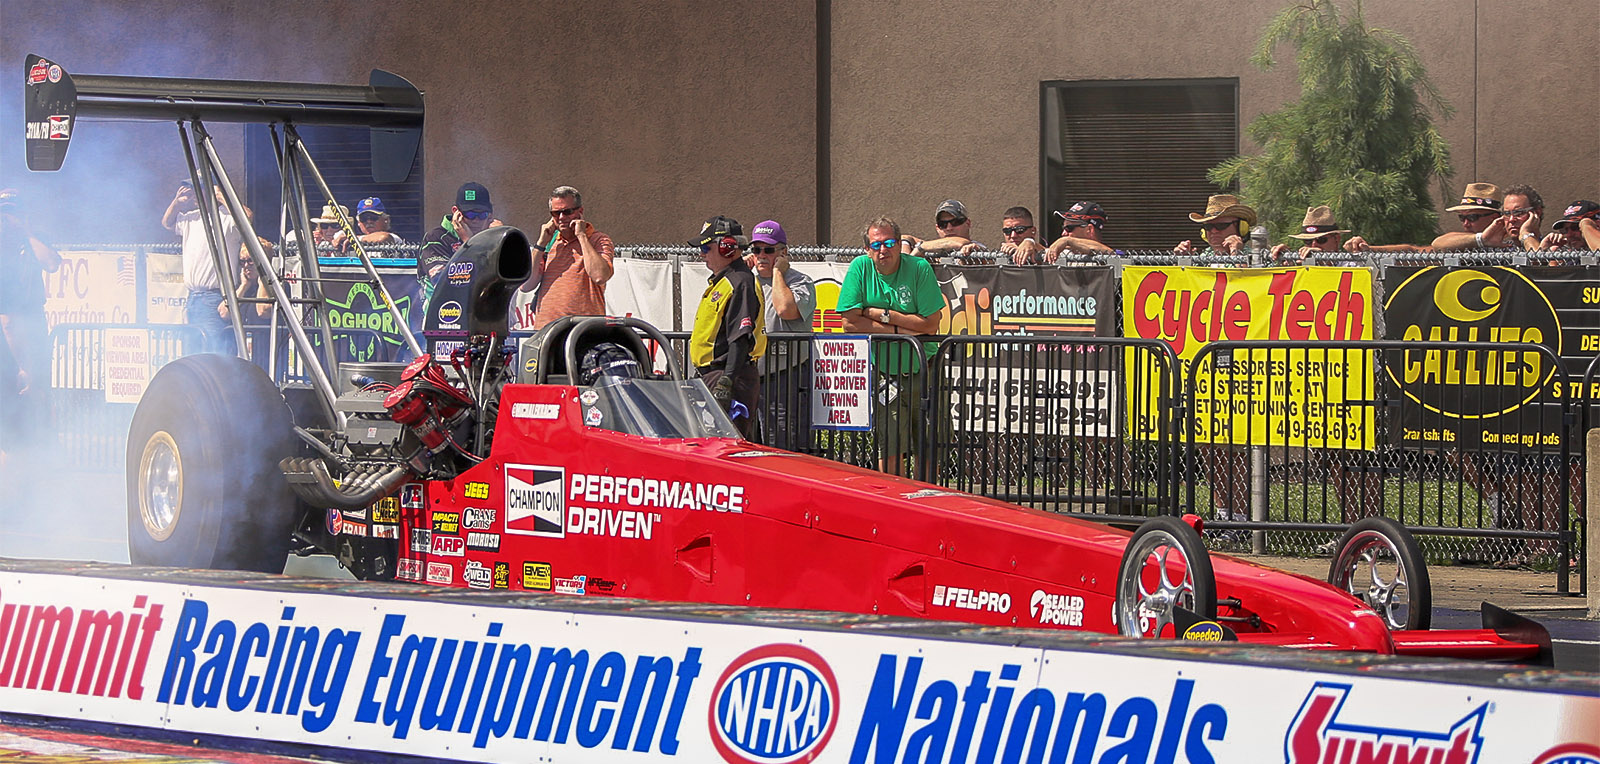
1164, 566
204, 487
1380, 563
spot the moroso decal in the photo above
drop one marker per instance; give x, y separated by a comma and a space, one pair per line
777, 703
534, 504
1317, 735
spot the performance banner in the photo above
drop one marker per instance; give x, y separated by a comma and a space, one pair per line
1043, 302
1281, 397
1510, 400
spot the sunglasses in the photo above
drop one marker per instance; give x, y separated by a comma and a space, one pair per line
724, 247
754, 250
328, 226
1073, 226
1476, 216
1016, 229
1323, 239
1214, 226
568, 211
370, 218
950, 223
476, 215
885, 244
1517, 213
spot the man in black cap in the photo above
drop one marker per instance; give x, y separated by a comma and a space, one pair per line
729, 334
1080, 233
1578, 228
472, 213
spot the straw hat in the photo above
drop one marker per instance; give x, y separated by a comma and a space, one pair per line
1479, 196
1318, 223
329, 215
1225, 205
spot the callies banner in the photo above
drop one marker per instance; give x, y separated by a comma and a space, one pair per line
1511, 398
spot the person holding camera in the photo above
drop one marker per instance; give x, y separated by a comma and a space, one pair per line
205, 308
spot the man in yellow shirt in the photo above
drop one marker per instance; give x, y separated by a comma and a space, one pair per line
729, 330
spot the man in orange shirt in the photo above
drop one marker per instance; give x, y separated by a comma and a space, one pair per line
576, 259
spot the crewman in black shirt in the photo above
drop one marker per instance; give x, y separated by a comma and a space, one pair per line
729, 329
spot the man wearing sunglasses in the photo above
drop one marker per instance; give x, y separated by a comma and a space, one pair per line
1482, 225
1080, 234
374, 224
955, 232
1318, 231
576, 262
1578, 228
729, 335
1225, 226
472, 214
1021, 237
789, 298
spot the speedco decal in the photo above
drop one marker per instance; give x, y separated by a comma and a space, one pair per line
777, 703
533, 500
1318, 736
971, 599
911, 718
1056, 609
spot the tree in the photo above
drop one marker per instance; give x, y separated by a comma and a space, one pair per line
1361, 139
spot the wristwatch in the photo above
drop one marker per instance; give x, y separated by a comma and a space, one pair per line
884, 317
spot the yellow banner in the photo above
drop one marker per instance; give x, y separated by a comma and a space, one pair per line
1316, 397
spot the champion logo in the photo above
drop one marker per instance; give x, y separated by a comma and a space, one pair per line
774, 704
1317, 735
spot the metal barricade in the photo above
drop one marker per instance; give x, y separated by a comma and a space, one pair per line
1445, 437
1077, 426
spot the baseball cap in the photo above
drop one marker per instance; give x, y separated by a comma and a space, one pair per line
953, 207
768, 232
369, 204
1084, 213
1578, 210
717, 227
473, 197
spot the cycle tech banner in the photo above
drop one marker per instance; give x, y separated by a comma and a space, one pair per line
1313, 398
1509, 400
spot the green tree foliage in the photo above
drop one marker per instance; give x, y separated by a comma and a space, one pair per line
1361, 139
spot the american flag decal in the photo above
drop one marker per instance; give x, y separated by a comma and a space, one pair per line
124, 270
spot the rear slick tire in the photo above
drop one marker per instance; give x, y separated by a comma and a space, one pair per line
203, 482
1378, 562
1165, 564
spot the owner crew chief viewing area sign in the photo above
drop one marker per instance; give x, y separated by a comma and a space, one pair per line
841, 383
1282, 397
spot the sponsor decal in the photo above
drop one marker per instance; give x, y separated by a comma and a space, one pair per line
754, 454
408, 569
107, 643
476, 574
478, 491
381, 531
1570, 753
593, 417
1318, 735
776, 704
616, 523
535, 410
447, 348
421, 540
446, 522
55, 73
40, 71
441, 573
654, 493
448, 546
588, 397
478, 518
600, 585
502, 575
534, 505
411, 496
483, 542
335, 520
971, 599
60, 127
898, 722
386, 510
450, 315
531, 366
1056, 609
458, 272
1204, 631
928, 493
352, 529
574, 586
536, 575
356, 514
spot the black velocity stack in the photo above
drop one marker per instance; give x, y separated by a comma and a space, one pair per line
475, 289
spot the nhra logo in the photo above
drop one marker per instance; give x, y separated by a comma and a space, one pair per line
774, 704
1472, 305
534, 502
1318, 736
477, 518
1570, 753
1056, 609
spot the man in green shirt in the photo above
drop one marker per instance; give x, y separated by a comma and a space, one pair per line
886, 292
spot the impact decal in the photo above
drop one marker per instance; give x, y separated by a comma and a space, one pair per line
446, 522
774, 704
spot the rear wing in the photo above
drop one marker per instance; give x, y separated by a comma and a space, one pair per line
54, 100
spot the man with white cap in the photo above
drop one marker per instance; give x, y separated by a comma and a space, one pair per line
790, 302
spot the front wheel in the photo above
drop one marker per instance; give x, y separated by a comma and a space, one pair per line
1380, 563
1164, 566
204, 487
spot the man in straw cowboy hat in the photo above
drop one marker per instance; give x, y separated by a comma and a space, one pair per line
1319, 231
1482, 225
1225, 227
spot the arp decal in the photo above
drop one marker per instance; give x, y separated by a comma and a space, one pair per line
448, 546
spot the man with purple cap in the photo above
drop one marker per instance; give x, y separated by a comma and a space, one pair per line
790, 300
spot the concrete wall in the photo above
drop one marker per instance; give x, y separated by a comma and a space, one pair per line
666, 112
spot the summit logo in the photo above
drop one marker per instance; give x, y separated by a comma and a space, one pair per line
1318, 736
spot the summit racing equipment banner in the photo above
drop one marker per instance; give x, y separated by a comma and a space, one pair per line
1509, 400
1261, 397
477, 682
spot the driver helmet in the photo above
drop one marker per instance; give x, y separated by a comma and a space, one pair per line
608, 359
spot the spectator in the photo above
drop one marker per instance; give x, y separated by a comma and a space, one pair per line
1021, 237
1080, 233
25, 386
472, 214
1318, 230
576, 262
374, 223
1481, 223
1578, 228
325, 228
1523, 211
789, 300
1225, 227
205, 307
729, 335
887, 293
955, 232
